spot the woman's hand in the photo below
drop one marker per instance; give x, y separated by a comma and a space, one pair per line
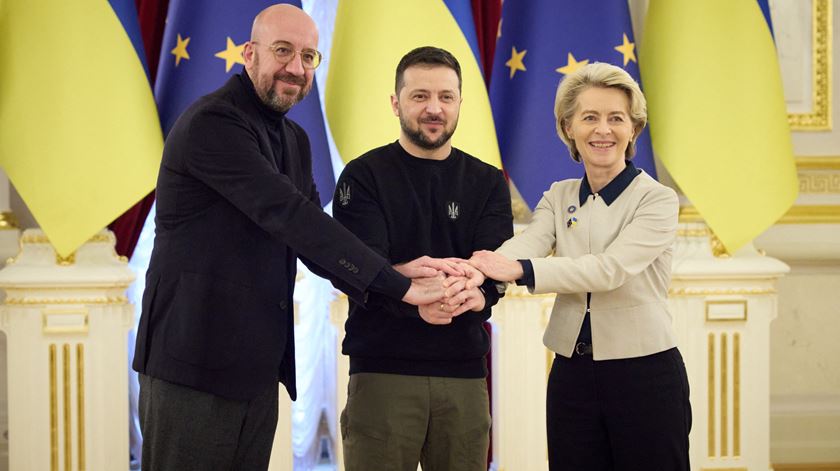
496, 266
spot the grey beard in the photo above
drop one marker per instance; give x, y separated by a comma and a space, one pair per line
277, 103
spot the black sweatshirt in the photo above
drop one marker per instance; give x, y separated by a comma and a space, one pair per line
405, 207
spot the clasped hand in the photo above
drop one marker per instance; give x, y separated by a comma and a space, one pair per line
443, 288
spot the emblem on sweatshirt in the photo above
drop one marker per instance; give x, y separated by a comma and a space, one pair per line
572, 222
344, 194
453, 210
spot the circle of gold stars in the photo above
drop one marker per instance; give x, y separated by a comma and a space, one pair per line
516, 62
232, 53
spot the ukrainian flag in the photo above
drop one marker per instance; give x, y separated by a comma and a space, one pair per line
370, 38
79, 133
717, 113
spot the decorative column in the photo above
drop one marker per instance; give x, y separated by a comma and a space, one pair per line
338, 316
66, 322
282, 456
722, 308
9, 234
520, 367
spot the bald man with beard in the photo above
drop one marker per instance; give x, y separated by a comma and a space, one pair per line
236, 206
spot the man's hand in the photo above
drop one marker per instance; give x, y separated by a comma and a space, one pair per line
474, 276
496, 266
425, 290
471, 299
436, 313
426, 266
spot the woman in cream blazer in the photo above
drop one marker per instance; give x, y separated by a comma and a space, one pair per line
617, 391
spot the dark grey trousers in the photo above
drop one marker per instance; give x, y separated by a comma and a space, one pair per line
189, 430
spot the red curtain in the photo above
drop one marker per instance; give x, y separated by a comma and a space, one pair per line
486, 15
152, 16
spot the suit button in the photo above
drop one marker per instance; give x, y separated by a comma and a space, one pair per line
341, 261
355, 270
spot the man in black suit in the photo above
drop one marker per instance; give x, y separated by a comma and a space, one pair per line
236, 206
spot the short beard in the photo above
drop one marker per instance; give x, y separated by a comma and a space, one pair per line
420, 140
280, 103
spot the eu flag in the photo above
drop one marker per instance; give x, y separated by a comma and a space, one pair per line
202, 48
540, 41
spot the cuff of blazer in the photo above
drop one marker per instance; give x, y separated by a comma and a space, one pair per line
390, 283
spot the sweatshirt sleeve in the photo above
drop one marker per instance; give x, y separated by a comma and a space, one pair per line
356, 206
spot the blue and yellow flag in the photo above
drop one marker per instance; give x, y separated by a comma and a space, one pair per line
202, 48
539, 43
368, 42
717, 113
79, 134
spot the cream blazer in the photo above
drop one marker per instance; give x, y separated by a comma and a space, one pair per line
621, 253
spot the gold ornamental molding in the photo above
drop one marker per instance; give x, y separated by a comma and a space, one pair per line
829, 162
806, 467
87, 286
27, 301
705, 232
36, 239
53, 409
65, 321
690, 214
819, 183
67, 405
61, 425
736, 394
43, 239
801, 214
720, 291
818, 175
717, 441
812, 214
819, 119
710, 420
724, 396
8, 221
80, 403
715, 310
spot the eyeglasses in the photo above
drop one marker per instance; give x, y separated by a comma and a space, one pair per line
284, 52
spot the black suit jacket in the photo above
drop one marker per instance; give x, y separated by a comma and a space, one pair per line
236, 205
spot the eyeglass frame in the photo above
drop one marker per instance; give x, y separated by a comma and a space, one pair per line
298, 52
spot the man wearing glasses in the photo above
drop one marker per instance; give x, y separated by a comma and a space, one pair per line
236, 206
